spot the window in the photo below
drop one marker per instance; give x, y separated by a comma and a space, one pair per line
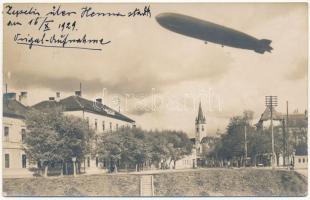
23, 134
116, 126
97, 161
103, 126
197, 129
202, 128
110, 126
303, 160
7, 160
299, 160
24, 161
96, 124
6, 133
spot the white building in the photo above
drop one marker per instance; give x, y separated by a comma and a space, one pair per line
100, 117
188, 161
301, 162
15, 162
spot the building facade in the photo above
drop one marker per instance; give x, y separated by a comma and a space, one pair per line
100, 118
301, 162
14, 159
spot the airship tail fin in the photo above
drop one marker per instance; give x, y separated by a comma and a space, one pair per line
264, 46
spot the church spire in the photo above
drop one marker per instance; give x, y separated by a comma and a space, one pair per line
200, 118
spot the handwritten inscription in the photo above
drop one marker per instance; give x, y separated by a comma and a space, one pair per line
59, 27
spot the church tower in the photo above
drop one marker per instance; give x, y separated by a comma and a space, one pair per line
200, 129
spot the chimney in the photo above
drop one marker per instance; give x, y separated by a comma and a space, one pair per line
51, 98
23, 98
99, 100
57, 96
78, 93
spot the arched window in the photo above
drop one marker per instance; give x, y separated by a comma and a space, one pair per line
202, 128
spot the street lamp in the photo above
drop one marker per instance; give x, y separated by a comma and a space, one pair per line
74, 167
271, 102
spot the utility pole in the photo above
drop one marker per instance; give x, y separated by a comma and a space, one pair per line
245, 146
271, 102
119, 104
284, 140
287, 135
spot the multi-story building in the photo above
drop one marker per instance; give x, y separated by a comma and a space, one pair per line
15, 162
100, 117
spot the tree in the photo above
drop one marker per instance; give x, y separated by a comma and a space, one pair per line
126, 145
179, 145
54, 137
259, 143
134, 146
231, 146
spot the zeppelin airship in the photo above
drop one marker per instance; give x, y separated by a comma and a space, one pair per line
211, 32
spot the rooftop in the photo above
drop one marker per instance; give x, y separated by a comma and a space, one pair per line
12, 107
76, 103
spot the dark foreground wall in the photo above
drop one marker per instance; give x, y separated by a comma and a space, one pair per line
92, 185
231, 182
210, 182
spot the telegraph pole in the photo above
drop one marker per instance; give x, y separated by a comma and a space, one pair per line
287, 135
119, 104
271, 102
245, 146
284, 140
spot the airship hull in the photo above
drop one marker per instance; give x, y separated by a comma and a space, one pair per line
211, 32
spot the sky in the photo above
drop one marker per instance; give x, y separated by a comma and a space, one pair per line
161, 76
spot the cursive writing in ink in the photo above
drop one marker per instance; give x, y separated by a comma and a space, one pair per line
16, 13
60, 12
88, 12
137, 12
